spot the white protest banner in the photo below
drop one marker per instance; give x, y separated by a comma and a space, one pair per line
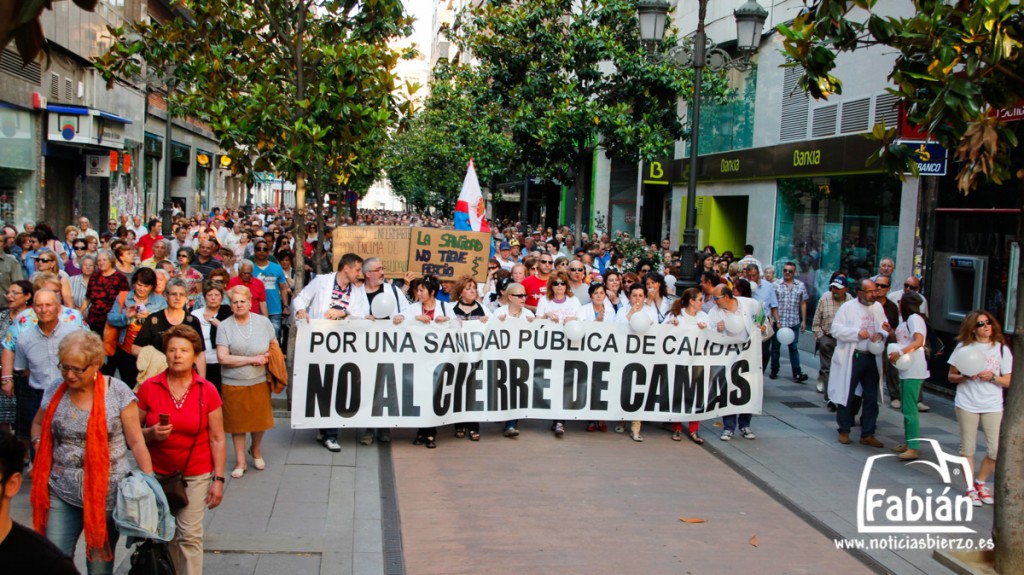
362, 373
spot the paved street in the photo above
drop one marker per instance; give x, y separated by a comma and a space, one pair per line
589, 503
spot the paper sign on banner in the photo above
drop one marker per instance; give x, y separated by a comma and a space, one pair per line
360, 373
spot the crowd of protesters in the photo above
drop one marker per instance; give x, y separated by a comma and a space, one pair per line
162, 342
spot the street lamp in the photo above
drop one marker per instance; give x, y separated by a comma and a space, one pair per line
698, 54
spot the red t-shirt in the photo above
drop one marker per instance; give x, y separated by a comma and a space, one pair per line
170, 454
145, 245
259, 293
535, 289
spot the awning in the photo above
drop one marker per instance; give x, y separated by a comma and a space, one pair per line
114, 117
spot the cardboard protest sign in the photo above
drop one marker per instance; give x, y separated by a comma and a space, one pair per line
389, 243
449, 254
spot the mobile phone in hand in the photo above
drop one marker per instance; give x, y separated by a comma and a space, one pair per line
165, 418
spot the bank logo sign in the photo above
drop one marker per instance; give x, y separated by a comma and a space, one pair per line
940, 509
932, 159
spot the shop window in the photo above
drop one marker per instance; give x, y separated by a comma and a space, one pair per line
840, 223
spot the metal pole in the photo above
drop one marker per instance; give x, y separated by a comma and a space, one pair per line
689, 248
524, 207
165, 213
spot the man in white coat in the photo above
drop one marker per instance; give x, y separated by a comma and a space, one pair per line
853, 367
333, 296
375, 287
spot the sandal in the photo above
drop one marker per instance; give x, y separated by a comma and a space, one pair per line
677, 436
696, 438
460, 433
430, 443
474, 436
258, 462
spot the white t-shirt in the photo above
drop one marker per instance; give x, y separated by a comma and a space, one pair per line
904, 337
977, 396
570, 307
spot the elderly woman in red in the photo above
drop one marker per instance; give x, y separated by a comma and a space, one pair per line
184, 430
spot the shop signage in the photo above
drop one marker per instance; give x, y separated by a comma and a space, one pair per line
97, 166
843, 155
110, 133
180, 153
154, 146
931, 158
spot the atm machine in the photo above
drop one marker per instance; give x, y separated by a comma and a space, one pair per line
958, 287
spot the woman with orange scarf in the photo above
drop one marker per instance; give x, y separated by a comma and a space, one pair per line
84, 428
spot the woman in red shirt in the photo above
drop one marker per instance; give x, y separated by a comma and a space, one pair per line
184, 430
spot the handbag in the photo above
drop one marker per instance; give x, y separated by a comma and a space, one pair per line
151, 558
174, 484
110, 333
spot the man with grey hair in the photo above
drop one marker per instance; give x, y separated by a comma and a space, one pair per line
255, 285
83, 228
36, 357
375, 287
886, 267
160, 252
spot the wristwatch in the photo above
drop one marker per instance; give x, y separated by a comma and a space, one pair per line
218, 478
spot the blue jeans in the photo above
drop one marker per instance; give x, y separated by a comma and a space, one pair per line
729, 421
64, 526
794, 352
864, 371
275, 320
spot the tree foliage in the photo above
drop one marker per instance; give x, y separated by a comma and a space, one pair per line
569, 76
295, 87
959, 63
427, 163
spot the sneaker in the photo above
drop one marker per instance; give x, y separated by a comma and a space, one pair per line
367, 438
320, 437
974, 497
896, 404
984, 493
726, 435
820, 387
619, 428
559, 430
922, 407
746, 433
773, 376
800, 377
332, 445
511, 432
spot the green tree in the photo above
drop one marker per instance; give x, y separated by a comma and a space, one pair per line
301, 88
572, 76
427, 163
959, 63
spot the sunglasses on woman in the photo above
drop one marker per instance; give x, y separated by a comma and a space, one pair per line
983, 323
558, 283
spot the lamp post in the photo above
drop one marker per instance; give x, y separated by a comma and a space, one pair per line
168, 208
699, 54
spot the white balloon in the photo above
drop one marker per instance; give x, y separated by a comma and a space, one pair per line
640, 322
904, 362
785, 336
970, 361
733, 323
862, 345
382, 306
876, 347
574, 331
892, 348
